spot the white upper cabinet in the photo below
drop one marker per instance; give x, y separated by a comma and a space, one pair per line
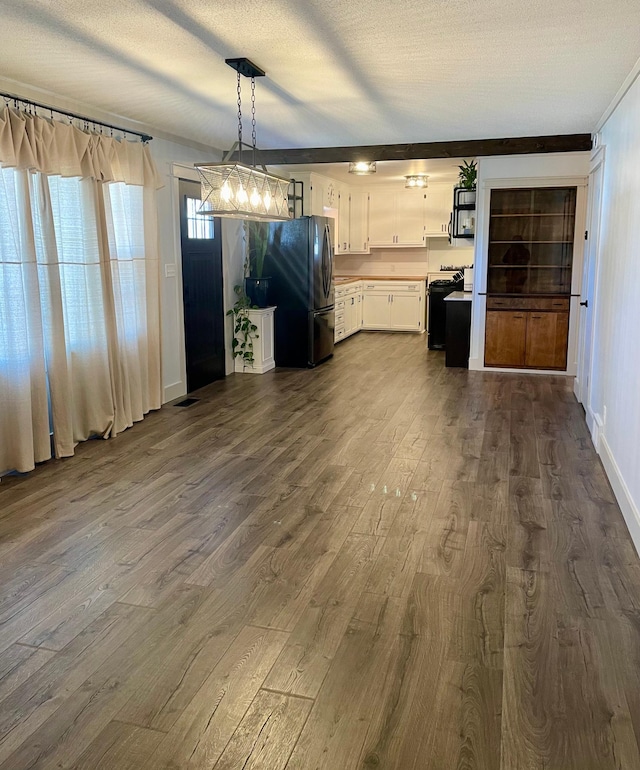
382, 219
358, 222
437, 212
342, 239
396, 218
410, 218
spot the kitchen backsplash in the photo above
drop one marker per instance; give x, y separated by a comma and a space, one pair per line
403, 261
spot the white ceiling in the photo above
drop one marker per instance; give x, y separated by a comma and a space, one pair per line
339, 72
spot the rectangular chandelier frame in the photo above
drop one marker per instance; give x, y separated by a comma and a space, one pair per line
235, 190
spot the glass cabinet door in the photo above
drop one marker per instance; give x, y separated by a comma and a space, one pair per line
531, 234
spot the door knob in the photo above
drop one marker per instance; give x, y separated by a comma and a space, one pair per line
585, 303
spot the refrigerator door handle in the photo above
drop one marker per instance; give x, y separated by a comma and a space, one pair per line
327, 262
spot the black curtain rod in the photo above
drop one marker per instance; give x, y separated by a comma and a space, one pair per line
30, 103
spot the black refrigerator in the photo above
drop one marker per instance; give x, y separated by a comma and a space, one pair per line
299, 262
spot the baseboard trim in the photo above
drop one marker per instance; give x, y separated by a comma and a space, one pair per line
594, 423
626, 502
577, 390
171, 392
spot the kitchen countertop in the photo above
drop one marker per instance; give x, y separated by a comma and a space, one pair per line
342, 279
459, 296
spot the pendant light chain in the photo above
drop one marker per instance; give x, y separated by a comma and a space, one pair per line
240, 190
253, 118
239, 119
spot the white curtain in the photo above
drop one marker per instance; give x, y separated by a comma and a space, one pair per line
79, 304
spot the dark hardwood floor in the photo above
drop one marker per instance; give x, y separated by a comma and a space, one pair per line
379, 563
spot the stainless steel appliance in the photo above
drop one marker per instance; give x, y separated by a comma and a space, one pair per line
300, 263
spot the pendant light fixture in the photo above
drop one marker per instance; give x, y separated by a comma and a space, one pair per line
417, 181
362, 167
234, 189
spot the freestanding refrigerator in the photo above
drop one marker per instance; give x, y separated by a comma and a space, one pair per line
299, 262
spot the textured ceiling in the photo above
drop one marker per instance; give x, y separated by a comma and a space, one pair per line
339, 72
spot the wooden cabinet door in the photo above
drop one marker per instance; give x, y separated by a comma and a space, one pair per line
405, 312
505, 338
547, 336
381, 219
375, 310
359, 223
410, 218
359, 311
438, 205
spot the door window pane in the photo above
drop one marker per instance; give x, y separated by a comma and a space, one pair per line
198, 226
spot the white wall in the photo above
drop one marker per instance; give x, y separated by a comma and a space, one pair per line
571, 168
615, 371
409, 262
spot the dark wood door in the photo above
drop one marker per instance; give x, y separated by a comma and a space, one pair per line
547, 335
505, 338
202, 290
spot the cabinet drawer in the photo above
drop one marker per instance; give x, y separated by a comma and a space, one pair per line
408, 287
394, 287
340, 305
338, 334
339, 318
558, 304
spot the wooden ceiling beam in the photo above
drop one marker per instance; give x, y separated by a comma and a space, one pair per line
522, 145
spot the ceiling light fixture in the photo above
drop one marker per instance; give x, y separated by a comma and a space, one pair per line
362, 167
418, 181
234, 189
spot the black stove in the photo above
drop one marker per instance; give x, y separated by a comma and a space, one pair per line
438, 290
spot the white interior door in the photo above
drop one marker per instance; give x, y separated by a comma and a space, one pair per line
590, 271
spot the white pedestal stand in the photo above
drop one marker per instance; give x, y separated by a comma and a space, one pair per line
263, 348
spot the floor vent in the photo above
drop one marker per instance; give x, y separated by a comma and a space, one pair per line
187, 402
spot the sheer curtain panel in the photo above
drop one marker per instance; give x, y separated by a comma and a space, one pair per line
79, 307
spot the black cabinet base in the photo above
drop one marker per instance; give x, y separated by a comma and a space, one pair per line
458, 333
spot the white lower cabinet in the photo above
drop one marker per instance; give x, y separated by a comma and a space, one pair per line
348, 310
376, 311
394, 306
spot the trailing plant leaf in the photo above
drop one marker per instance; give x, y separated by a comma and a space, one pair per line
244, 330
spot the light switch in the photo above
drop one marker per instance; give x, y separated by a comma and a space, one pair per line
170, 270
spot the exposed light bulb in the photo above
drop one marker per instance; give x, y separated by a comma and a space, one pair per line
255, 198
225, 192
241, 195
267, 200
362, 167
416, 180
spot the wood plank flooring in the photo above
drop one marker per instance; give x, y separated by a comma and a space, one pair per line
379, 563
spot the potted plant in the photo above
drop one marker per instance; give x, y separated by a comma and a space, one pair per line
244, 330
467, 181
257, 284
